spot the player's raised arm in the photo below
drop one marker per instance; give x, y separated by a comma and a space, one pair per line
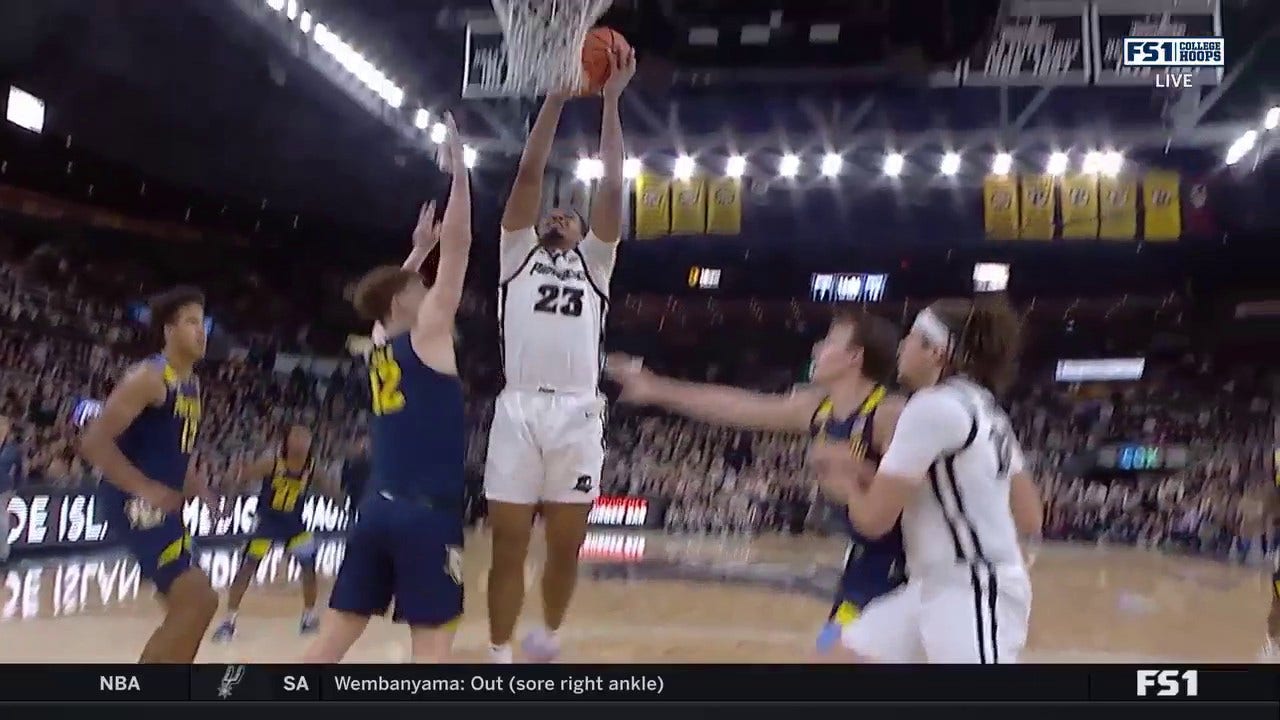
606, 208
142, 387
526, 192
717, 404
425, 237
441, 302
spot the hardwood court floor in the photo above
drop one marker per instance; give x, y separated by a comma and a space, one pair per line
655, 598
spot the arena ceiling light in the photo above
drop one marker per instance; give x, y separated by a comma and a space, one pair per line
631, 168
1092, 163
893, 164
735, 166
832, 163
1112, 163
789, 165
291, 9
1273, 118
950, 164
276, 5
422, 119
683, 168
1002, 163
1241, 147
469, 156
438, 133
1057, 163
305, 22
589, 169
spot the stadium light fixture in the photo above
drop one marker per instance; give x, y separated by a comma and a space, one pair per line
735, 166
1112, 163
893, 164
322, 35
832, 164
291, 9
684, 167
950, 164
395, 97
305, 22
422, 119
789, 165
631, 168
469, 156
276, 5
1002, 163
1273, 118
438, 133
589, 169
1057, 163
1241, 147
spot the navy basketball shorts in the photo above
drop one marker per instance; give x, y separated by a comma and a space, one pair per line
159, 542
405, 553
276, 529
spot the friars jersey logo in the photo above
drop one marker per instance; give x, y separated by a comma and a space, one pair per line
568, 273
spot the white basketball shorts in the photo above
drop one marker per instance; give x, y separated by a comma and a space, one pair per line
545, 447
887, 629
978, 614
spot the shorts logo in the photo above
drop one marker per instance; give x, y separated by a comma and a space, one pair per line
453, 562
583, 484
142, 515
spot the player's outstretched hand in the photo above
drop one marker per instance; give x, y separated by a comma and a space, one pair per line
629, 372
624, 68
453, 145
427, 232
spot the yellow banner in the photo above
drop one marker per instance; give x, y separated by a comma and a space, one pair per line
1000, 206
724, 209
1162, 204
653, 206
1118, 200
1079, 195
1037, 207
689, 206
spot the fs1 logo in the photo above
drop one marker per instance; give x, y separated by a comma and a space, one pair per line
1170, 683
1182, 52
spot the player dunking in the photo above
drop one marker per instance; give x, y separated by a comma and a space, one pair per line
546, 444
406, 545
142, 443
948, 472
287, 475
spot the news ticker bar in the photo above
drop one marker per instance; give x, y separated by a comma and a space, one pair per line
559, 683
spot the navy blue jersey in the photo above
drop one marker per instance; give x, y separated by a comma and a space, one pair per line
417, 434
872, 567
160, 439
283, 492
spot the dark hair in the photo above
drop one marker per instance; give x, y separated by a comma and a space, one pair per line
878, 337
988, 338
378, 288
164, 307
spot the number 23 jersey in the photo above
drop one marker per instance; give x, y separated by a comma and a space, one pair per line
551, 312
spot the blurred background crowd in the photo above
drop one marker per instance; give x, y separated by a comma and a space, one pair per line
67, 331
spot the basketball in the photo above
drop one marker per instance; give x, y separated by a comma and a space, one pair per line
596, 64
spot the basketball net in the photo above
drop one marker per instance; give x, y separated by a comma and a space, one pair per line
543, 43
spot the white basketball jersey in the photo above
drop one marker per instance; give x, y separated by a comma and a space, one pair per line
551, 312
960, 514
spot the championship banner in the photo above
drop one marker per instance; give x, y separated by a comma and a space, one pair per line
689, 206
1041, 42
1037, 207
724, 209
1115, 20
1079, 193
653, 206
1198, 219
1000, 206
1162, 203
1118, 208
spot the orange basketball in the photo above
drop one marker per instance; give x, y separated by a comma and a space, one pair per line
596, 64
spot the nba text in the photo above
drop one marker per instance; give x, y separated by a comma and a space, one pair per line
1168, 683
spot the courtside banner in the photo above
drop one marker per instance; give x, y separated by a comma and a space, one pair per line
926, 685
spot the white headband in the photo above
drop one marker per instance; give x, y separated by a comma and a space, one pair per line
933, 329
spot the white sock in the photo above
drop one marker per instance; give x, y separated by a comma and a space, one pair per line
308, 612
552, 635
501, 654
231, 616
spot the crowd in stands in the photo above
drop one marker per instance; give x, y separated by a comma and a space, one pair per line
66, 334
